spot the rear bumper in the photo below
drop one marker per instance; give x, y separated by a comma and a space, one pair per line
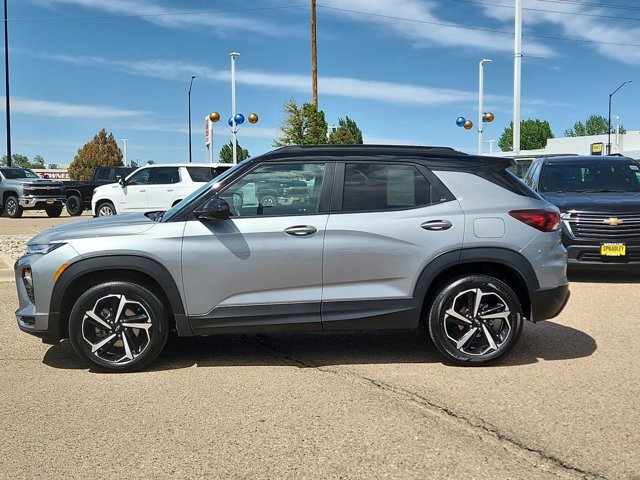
548, 303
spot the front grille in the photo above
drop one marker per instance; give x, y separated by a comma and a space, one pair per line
602, 226
43, 192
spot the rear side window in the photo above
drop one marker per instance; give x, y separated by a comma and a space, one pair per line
376, 187
167, 175
102, 174
204, 174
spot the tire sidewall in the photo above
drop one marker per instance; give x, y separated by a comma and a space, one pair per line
105, 204
54, 212
444, 298
74, 206
134, 292
17, 211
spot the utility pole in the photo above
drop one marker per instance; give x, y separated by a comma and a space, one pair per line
234, 128
6, 82
189, 94
314, 56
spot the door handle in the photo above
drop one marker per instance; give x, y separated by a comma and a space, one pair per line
142, 190
169, 189
437, 225
300, 230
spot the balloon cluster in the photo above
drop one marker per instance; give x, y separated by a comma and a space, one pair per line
468, 124
239, 118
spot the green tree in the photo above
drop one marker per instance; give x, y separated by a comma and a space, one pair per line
302, 125
226, 153
595, 125
101, 151
347, 133
533, 135
18, 160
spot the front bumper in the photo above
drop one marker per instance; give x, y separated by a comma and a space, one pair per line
547, 303
41, 202
586, 254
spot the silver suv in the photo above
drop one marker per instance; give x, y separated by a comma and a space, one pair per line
384, 237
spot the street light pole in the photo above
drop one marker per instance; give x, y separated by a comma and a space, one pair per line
6, 83
189, 94
480, 100
234, 130
517, 70
124, 141
609, 122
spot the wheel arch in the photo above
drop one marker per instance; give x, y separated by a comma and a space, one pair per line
101, 201
81, 275
507, 265
9, 193
72, 192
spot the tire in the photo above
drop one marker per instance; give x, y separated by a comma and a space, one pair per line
105, 209
12, 207
107, 340
54, 211
462, 332
74, 205
268, 201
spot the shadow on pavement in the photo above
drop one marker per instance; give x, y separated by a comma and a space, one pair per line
547, 340
603, 276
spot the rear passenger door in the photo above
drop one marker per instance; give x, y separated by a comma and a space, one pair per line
387, 222
164, 189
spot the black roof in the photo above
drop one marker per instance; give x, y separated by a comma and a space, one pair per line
588, 158
436, 158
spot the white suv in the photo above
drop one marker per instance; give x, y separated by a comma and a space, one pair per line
153, 188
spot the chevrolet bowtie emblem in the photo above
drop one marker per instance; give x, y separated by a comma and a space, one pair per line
613, 221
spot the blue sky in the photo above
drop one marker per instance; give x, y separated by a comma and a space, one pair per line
404, 70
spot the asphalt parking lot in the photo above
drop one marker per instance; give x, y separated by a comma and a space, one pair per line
563, 404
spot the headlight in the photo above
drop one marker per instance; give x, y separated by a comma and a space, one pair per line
43, 248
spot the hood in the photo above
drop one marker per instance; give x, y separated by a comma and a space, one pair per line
117, 225
606, 202
36, 182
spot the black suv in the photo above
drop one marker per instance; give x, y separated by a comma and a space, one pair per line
599, 198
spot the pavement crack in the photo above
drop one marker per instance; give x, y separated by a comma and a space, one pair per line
534, 456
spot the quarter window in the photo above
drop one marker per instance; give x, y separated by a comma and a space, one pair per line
375, 187
277, 189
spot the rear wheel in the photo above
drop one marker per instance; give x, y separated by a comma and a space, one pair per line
74, 205
12, 207
54, 211
105, 209
475, 319
268, 200
119, 326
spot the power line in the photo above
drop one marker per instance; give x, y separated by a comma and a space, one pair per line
489, 30
547, 11
592, 4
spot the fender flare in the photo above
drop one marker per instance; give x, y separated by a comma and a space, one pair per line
132, 263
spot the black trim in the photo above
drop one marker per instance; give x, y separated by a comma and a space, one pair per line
371, 314
281, 317
548, 303
131, 263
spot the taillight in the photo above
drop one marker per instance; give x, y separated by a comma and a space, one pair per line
543, 220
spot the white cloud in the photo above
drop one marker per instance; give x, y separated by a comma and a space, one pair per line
396, 93
573, 25
157, 14
426, 27
57, 109
219, 130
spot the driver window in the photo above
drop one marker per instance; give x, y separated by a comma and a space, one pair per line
277, 189
142, 177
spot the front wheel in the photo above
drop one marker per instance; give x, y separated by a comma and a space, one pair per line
118, 326
74, 205
475, 319
105, 209
54, 212
12, 207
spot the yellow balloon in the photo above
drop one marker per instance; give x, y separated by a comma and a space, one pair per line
214, 117
468, 125
253, 118
488, 117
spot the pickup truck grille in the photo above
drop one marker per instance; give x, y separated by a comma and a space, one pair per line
43, 191
605, 226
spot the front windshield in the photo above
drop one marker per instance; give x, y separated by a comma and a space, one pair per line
592, 176
195, 196
15, 173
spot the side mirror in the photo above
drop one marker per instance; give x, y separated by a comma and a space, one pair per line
122, 182
214, 209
